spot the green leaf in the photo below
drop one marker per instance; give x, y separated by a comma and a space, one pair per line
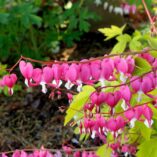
84, 26
135, 44
145, 131
36, 19
111, 32
122, 43
139, 129
104, 151
4, 18
152, 42
153, 53
78, 103
142, 66
148, 148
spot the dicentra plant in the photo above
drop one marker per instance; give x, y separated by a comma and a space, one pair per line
115, 98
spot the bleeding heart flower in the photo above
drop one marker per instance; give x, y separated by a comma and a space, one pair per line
72, 75
122, 66
120, 122
57, 74
136, 83
131, 64
100, 122
148, 114
26, 70
129, 114
147, 84
47, 75
77, 154
85, 72
107, 68
125, 93
64, 69
112, 124
98, 98
16, 153
9, 81
138, 112
113, 98
95, 69
37, 75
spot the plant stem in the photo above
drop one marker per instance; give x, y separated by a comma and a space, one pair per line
149, 16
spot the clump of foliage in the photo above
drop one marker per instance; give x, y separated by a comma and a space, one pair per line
32, 28
115, 97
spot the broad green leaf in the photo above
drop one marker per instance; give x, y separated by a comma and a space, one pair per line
78, 102
104, 151
148, 148
153, 53
36, 19
4, 18
152, 42
142, 66
139, 129
112, 32
135, 44
122, 43
145, 131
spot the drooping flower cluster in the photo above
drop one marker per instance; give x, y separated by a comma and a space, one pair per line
46, 153
100, 111
77, 74
9, 81
128, 9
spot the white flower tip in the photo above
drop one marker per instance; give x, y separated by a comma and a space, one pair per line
102, 81
139, 98
123, 78
26, 82
79, 88
68, 85
93, 134
132, 122
148, 124
124, 106
44, 89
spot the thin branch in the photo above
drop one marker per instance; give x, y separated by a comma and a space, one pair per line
149, 16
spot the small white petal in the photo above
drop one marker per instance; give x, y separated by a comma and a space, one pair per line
68, 85
146, 122
126, 154
93, 134
124, 106
132, 122
44, 89
110, 8
26, 82
98, 2
102, 81
60, 83
139, 98
123, 78
118, 10
105, 5
79, 88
